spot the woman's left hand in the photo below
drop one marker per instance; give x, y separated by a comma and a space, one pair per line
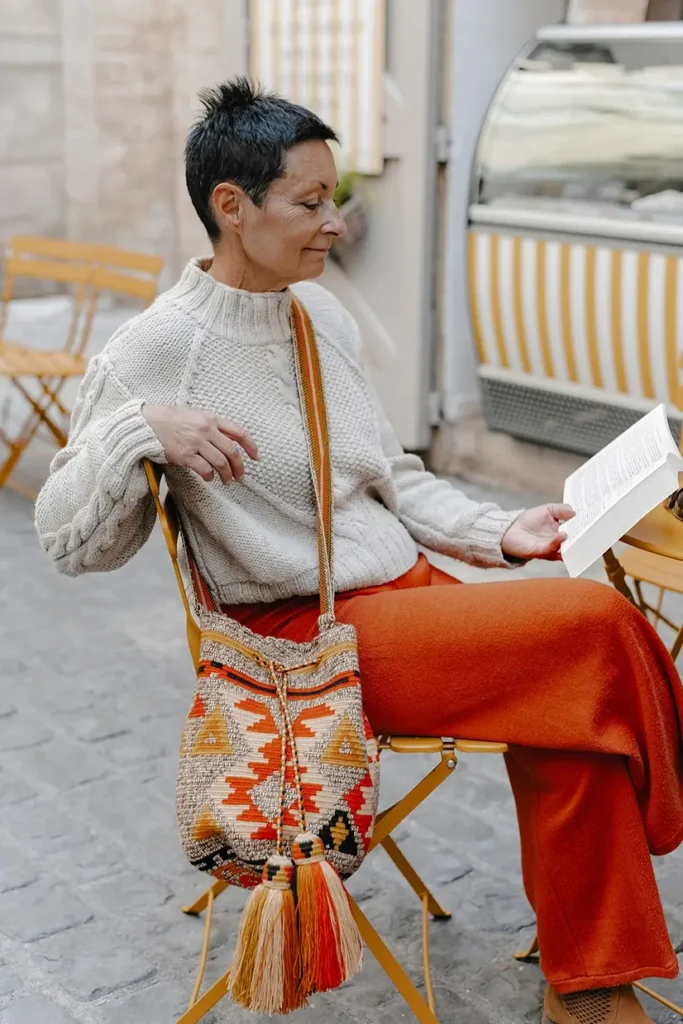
537, 534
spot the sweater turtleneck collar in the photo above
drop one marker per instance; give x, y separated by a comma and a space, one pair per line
258, 317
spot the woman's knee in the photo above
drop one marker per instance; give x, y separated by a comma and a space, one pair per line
598, 601
595, 612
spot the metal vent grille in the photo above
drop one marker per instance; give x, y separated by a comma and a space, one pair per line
551, 418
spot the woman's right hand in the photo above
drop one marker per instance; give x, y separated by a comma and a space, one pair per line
201, 441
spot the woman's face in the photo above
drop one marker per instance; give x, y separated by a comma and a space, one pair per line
288, 237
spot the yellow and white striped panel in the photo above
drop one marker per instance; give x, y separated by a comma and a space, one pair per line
595, 316
328, 55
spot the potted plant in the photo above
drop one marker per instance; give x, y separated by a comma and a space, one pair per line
352, 208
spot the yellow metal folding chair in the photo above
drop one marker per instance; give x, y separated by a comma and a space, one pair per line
37, 374
387, 821
653, 555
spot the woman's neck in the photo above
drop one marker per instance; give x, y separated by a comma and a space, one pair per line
260, 318
235, 270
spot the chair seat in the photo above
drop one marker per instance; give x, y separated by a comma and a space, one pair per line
436, 745
658, 570
659, 533
20, 361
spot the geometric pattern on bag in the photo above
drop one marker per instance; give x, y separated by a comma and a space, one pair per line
229, 776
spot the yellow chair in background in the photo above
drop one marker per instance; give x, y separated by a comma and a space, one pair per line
39, 375
387, 821
654, 556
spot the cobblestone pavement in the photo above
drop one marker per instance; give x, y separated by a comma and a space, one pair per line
96, 680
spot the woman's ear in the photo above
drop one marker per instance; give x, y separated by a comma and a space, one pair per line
228, 205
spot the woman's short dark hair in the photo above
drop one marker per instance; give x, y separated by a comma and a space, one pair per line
243, 136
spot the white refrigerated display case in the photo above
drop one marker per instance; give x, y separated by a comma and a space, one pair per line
576, 235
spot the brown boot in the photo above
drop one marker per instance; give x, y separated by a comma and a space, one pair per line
597, 1006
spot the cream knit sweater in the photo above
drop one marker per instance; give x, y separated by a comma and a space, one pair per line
208, 346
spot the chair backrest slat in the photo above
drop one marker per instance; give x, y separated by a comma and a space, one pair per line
91, 268
124, 284
49, 270
85, 252
170, 527
110, 256
57, 248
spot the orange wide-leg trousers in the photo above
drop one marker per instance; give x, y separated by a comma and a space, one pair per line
575, 680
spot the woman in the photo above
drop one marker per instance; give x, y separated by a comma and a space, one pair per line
567, 672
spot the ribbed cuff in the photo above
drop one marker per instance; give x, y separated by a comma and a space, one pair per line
127, 438
486, 537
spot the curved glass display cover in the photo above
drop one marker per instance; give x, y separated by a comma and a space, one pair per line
588, 128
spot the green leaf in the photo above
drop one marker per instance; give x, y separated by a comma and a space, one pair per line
346, 187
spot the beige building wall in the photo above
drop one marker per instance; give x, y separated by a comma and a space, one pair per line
32, 182
95, 103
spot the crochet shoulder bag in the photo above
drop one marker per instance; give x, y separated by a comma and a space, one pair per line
278, 778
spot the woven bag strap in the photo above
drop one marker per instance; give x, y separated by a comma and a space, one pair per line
312, 398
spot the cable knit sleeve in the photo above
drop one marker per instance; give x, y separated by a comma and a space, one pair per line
439, 516
95, 509
435, 513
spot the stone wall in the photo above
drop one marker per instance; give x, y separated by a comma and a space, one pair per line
32, 144
95, 102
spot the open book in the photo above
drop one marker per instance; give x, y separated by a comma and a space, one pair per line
617, 487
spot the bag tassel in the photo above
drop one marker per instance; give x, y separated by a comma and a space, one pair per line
330, 944
265, 975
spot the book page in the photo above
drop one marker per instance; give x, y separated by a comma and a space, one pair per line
609, 476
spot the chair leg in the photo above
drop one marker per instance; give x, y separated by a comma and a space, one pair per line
617, 576
392, 817
390, 965
204, 1005
198, 1008
17, 447
413, 879
205, 951
677, 644
426, 960
660, 999
42, 410
530, 953
641, 600
202, 903
16, 450
51, 391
